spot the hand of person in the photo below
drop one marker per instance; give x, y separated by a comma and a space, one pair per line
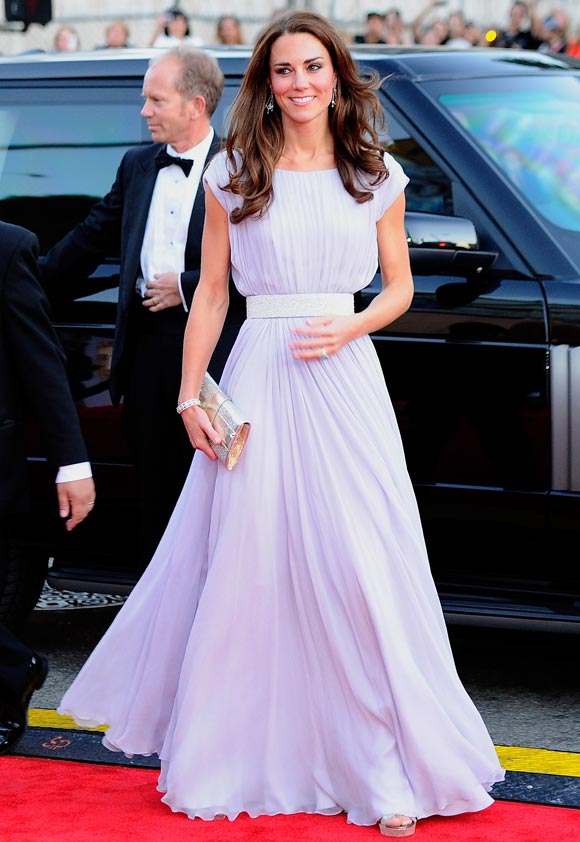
162, 292
323, 337
75, 500
200, 430
160, 25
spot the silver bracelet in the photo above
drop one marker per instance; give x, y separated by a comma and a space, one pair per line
186, 404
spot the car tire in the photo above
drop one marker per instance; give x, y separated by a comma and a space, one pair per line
22, 576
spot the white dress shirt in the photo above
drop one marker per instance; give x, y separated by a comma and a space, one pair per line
163, 248
70, 473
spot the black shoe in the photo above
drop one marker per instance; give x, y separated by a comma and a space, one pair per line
10, 733
35, 677
13, 719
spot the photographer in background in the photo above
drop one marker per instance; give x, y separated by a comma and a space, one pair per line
173, 28
432, 32
374, 32
522, 29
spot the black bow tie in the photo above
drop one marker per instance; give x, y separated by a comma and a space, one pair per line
164, 159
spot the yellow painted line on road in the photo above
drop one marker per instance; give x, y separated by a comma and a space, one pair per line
40, 718
544, 761
512, 758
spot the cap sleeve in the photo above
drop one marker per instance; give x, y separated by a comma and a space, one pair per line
216, 176
392, 187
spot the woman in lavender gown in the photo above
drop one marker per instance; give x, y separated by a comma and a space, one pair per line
285, 651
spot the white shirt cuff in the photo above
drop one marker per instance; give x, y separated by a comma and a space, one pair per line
181, 294
70, 473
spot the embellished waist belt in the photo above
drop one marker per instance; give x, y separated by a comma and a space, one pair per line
307, 305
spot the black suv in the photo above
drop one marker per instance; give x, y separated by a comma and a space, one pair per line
484, 369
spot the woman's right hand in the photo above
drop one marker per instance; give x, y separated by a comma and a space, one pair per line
200, 431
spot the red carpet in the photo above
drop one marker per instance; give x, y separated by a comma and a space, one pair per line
60, 801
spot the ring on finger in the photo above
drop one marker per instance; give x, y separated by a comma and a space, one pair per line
155, 301
323, 354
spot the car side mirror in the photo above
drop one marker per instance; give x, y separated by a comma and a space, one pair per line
445, 245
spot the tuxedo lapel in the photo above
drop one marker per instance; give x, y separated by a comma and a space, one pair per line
193, 246
140, 187
138, 184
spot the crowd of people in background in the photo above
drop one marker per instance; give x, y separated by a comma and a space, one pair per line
173, 27
524, 29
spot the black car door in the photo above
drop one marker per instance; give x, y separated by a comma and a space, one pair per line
466, 369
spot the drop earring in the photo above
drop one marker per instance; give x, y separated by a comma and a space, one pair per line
270, 104
334, 96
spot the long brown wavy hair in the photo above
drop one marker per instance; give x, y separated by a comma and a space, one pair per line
255, 140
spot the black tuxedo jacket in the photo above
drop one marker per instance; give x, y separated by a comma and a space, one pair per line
32, 370
118, 221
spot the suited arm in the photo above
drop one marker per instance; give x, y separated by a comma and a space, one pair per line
189, 282
84, 248
37, 356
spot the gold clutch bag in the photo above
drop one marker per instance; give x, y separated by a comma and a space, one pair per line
227, 420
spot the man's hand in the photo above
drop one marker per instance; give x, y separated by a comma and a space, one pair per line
162, 292
75, 500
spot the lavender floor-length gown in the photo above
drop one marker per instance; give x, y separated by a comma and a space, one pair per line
285, 650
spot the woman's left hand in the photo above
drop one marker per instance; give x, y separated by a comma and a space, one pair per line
323, 337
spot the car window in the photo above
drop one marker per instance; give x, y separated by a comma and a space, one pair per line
531, 129
429, 189
221, 118
59, 152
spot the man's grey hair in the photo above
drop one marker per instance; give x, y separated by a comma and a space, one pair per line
200, 74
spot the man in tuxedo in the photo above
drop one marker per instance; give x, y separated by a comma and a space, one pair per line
155, 210
32, 376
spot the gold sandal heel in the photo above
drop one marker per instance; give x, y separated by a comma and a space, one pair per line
398, 831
